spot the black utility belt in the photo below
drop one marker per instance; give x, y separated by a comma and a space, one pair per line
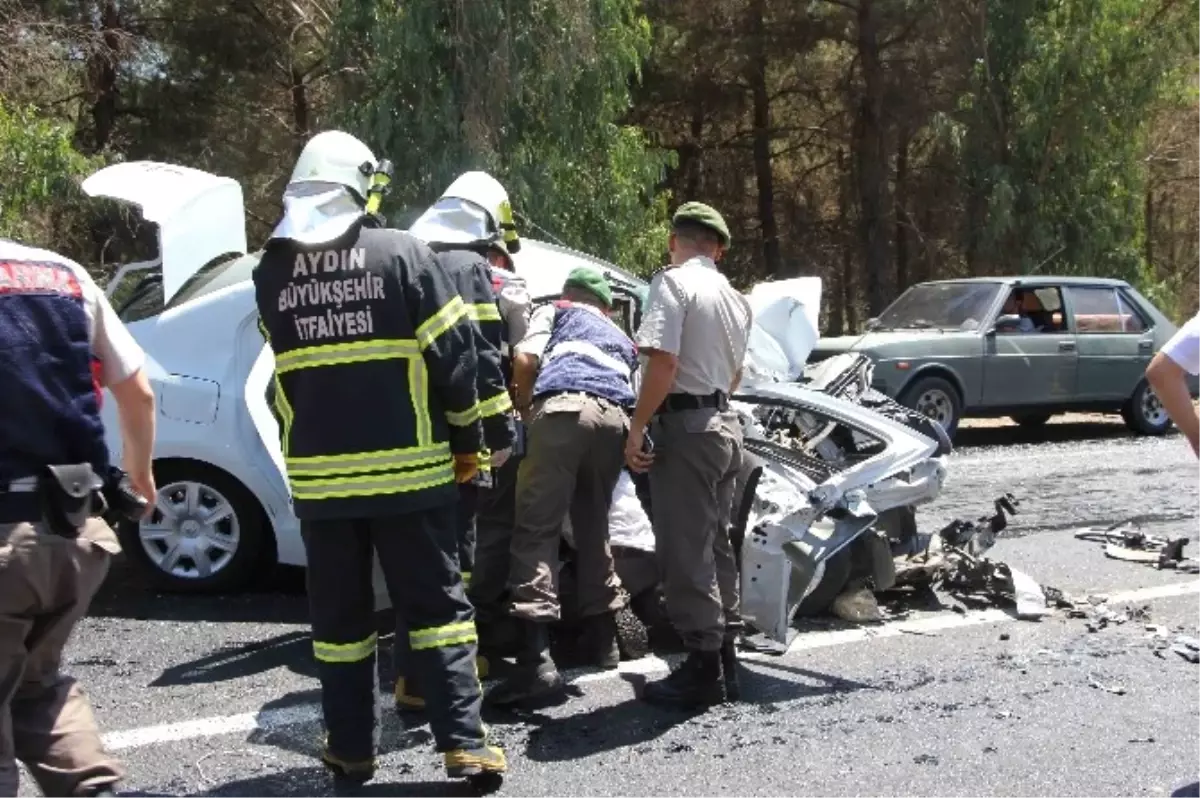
676, 402
64, 497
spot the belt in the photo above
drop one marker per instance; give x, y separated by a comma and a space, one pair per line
675, 402
541, 397
19, 502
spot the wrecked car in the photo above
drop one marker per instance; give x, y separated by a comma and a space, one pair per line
832, 465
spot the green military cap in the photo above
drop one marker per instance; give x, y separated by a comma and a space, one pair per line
593, 281
706, 215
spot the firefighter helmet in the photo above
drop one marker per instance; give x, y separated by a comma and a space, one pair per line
473, 211
336, 157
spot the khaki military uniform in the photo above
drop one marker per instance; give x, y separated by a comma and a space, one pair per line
694, 313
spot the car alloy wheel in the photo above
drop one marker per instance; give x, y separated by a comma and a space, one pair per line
934, 403
1152, 410
194, 532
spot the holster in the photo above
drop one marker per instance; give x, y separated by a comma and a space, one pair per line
67, 495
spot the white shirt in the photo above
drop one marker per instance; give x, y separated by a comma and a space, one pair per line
119, 355
1184, 346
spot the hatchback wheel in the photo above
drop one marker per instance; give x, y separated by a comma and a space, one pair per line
1144, 413
207, 532
936, 399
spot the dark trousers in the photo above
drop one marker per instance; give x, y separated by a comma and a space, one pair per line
495, 514
418, 553
465, 523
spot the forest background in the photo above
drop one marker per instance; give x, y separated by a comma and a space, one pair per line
875, 143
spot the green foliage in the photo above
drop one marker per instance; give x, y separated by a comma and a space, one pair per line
40, 168
532, 91
1055, 128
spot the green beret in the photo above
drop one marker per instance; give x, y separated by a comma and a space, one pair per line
705, 215
593, 281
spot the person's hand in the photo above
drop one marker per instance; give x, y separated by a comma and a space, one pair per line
500, 457
142, 482
635, 458
465, 467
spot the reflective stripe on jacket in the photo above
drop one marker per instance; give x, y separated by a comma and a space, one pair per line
374, 373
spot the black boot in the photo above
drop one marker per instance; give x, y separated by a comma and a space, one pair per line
733, 690
695, 684
598, 641
535, 676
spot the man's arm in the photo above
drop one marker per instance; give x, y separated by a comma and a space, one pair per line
658, 338
445, 337
527, 355
661, 368
1168, 376
122, 372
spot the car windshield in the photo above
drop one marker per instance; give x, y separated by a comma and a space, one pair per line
940, 306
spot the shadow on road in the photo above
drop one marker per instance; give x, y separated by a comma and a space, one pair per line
278, 598
635, 724
316, 781
1066, 432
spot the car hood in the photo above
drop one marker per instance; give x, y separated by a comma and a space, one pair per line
200, 216
871, 341
784, 331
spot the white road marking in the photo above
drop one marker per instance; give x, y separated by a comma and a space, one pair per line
1112, 453
270, 719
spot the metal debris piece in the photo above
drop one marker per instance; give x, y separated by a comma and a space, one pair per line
1031, 600
1115, 689
1188, 648
1126, 541
1142, 740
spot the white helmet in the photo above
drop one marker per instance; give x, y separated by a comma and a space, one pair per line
474, 210
336, 157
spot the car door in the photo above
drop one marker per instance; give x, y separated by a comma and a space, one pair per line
1115, 343
1038, 367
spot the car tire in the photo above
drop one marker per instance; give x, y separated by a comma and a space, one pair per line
1032, 420
239, 539
935, 398
1144, 414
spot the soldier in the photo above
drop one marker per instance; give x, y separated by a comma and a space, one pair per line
475, 214
572, 380
60, 343
375, 383
694, 333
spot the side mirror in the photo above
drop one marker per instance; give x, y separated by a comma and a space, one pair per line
872, 324
1007, 323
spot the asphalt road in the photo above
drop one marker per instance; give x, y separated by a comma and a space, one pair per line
214, 696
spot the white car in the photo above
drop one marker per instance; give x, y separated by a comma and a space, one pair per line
825, 468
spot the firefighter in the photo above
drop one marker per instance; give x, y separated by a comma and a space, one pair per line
375, 385
461, 232
475, 214
60, 342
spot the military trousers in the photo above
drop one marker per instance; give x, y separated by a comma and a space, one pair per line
465, 522
418, 554
46, 584
697, 457
576, 451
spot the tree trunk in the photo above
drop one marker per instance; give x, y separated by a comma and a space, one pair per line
693, 166
872, 160
757, 76
844, 299
1149, 227
299, 111
100, 81
902, 276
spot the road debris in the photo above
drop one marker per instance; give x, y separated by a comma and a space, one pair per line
1188, 648
1115, 689
1126, 541
952, 563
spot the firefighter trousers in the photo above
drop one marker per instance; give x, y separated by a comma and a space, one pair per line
418, 554
496, 513
46, 584
468, 494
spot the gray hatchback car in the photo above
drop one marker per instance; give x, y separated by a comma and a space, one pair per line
1025, 347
